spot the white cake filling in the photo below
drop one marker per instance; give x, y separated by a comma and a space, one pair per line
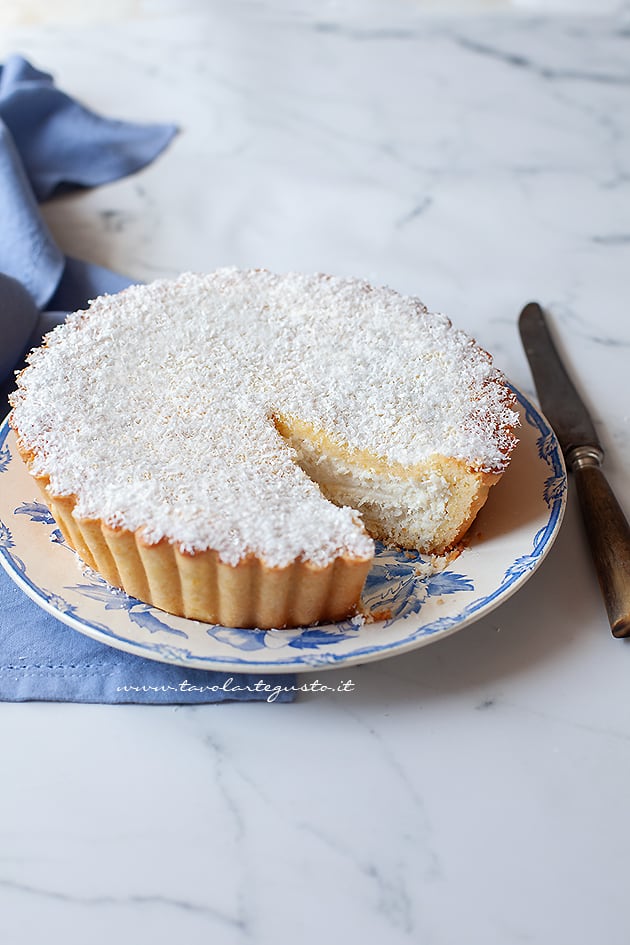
155, 407
410, 511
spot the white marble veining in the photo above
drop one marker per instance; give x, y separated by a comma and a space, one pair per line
475, 790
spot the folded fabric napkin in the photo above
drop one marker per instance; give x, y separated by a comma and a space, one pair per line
49, 144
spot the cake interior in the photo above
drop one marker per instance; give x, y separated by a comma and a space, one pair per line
427, 507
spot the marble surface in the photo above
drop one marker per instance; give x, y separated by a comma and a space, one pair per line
475, 790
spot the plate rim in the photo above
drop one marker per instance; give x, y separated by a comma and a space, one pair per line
421, 635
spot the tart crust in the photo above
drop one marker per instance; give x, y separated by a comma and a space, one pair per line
199, 585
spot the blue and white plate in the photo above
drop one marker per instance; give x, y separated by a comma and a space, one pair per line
508, 541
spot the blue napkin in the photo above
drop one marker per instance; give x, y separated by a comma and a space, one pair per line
43, 659
50, 144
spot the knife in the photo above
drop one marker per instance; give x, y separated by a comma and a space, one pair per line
606, 526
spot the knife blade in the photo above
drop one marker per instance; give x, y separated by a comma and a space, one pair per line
560, 401
607, 529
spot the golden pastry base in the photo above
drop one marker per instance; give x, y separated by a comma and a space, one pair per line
202, 587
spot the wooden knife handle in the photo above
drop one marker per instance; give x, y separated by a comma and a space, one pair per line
608, 534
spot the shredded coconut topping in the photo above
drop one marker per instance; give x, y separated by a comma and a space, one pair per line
154, 407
